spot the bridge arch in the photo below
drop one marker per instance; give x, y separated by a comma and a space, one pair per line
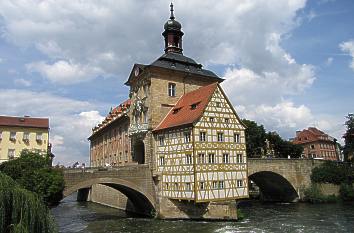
143, 202
274, 187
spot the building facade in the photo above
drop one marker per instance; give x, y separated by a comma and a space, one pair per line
317, 144
19, 133
173, 102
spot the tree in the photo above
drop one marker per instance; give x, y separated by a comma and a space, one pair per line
348, 149
283, 148
255, 138
22, 211
33, 172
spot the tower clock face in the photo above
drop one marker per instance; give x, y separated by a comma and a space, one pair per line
136, 71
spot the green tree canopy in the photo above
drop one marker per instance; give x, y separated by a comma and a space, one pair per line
33, 172
348, 149
22, 211
256, 145
255, 138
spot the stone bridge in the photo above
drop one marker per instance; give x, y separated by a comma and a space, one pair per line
281, 180
134, 181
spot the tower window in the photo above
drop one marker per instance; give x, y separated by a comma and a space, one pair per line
172, 89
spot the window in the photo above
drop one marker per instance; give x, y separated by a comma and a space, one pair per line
226, 120
239, 183
201, 186
202, 136
239, 158
172, 89
145, 114
11, 153
188, 187
25, 136
220, 137
161, 140
39, 137
218, 104
176, 186
221, 184
237, 137
211, 158
126, 155
201, 158
211, 119
166, 186
225, 158
187, 137
312, 146
215, 185
193, 106
188, 159
162, 160
13, 136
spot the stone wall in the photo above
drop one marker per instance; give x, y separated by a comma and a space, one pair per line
108, 196
182, 209
329, 189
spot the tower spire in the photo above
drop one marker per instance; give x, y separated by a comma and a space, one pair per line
173, 34
172, 15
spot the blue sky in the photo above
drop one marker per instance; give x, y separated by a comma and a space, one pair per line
288, 64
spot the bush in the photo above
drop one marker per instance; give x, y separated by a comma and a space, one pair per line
346, 192
22, 211
314, 195
32, 171
330, 172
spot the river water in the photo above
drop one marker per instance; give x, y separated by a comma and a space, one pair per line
73, 216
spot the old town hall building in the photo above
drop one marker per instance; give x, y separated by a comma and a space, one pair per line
179, 121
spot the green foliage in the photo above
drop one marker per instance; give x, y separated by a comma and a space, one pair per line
348, 149
330, 172
22, 211
255, 142
282, 148
346, 192
255, 138
33, 172
314, 195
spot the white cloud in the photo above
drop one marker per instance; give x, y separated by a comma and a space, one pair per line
348, 47
22, 82
64, 72
329, 61
70, 120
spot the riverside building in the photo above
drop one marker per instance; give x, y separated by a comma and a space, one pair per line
19, 133
179, 122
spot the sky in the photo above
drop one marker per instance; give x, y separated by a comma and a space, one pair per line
287, 64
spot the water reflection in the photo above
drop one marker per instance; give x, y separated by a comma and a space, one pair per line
94, 218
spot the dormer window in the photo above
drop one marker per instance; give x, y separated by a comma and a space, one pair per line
172, 89
175, 110
194, 105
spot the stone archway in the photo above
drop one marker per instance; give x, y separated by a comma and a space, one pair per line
139, 152
274, 187
142, 203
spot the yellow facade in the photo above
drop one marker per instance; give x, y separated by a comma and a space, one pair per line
14, 139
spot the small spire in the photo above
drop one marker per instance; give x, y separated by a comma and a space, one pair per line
172, 16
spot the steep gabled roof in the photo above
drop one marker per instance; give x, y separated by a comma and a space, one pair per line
30, 122
188, 109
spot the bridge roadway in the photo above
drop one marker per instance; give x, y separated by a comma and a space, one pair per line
278, 179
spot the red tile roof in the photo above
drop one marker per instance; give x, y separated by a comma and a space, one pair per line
311, 134
24, 122
184, 113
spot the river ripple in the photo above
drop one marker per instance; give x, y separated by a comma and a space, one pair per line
72, 216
